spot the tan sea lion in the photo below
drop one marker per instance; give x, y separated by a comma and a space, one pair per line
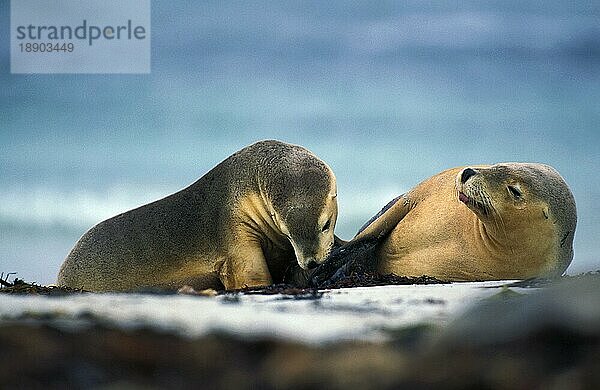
244, 223
503, 221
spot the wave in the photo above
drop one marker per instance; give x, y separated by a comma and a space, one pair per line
77, 209
81, 209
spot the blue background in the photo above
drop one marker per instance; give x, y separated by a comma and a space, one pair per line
388, 93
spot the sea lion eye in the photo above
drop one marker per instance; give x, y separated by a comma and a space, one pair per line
515, 192
326, 226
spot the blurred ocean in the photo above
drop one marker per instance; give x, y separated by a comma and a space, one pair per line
388, 93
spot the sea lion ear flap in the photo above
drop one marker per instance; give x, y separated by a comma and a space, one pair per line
546, 212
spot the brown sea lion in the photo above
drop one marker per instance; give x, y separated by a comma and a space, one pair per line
503, 221
244, 223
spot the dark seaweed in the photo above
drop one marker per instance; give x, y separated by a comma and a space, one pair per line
19, 286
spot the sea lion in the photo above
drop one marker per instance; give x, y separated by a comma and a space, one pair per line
244, 223
503, 221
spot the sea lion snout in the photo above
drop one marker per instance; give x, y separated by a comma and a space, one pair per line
466, 174
311, 264
312, 259
306, 263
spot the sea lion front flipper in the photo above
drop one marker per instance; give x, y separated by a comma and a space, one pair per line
246, 267
385, 220
358, 255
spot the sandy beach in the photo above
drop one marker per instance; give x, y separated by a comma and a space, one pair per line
490, 334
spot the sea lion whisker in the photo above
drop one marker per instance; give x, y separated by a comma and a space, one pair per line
497, 217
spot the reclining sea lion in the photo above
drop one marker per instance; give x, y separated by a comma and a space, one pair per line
503, 221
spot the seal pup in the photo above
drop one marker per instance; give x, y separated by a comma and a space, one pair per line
243, 223
502, 221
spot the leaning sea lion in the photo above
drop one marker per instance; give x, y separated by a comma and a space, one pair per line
244, 223
503, 221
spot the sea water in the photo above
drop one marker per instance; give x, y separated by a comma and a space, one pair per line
387, 93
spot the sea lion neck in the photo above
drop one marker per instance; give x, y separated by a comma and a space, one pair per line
490, 236
262, 218
516, 249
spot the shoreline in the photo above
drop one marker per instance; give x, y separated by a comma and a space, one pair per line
502, 337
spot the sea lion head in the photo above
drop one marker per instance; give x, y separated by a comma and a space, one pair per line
530, 205
305, 209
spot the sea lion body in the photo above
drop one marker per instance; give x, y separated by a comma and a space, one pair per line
503, 221
244, 223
